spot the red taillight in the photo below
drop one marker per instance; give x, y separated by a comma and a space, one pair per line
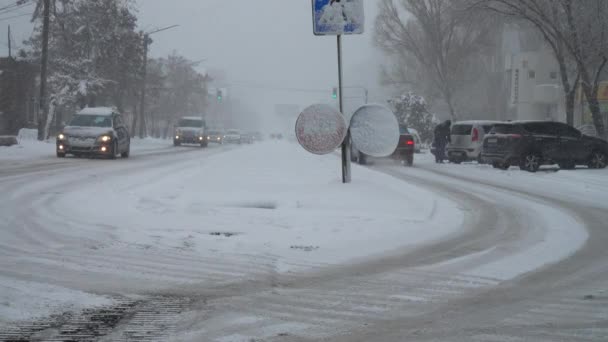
410, 142
517, 136
475, 136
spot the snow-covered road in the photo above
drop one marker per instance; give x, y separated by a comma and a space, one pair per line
263, 243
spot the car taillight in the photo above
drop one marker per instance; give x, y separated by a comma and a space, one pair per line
516, 136
410, 142
475, 136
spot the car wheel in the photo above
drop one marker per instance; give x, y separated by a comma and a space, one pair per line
60, 154
598, 160
530, 162
127, 153
567, 165
204, 145
409, 160
362, 159
176, 143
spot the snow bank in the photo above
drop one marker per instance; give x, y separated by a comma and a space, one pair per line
269, 199
23, 300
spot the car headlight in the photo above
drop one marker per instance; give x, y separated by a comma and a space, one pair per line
61, 136
105, 138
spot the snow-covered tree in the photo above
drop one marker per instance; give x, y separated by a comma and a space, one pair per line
95, 54
411, 110
439, 37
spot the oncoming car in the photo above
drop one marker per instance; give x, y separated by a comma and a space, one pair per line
216, 137
190, 130
95, 132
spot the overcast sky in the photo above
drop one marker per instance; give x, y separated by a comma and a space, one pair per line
260, 45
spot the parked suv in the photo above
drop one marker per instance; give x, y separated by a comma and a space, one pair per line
531, 144
190, 130
467, 140
95, 131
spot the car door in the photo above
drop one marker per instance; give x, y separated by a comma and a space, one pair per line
545, 138
571, 144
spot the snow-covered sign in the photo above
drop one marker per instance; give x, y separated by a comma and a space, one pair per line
374, 130
320, 129
336, 17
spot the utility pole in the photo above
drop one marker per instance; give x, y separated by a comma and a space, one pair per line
10, 49
42, 113
142, 104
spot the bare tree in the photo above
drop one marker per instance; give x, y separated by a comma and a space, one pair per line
577, 31
442, 38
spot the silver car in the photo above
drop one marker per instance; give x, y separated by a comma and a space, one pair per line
95, 132
466, 140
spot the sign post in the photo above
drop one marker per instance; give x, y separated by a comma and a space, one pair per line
337, 18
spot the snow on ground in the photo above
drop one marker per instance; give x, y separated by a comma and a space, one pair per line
270, 199
553, 234
578, 186
201, 218
22, 300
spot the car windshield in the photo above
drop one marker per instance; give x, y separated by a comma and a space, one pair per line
91, 121
190, 123
304, 170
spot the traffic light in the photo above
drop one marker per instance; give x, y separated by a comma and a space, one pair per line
334, 93
219, 95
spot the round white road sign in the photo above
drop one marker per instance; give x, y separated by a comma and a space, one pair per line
321, 129
374, 130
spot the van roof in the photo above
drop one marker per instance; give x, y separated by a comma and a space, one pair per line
478, 122
191, 118
105, 111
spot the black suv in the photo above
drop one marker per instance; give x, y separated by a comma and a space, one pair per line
531, 144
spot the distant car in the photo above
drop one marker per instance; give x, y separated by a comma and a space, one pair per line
531, 144
215, 137
232, 136
190, 130
467, 140
95, 132
417, 140
257, 136
404, 151
247, 138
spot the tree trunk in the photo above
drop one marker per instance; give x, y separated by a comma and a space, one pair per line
594, 107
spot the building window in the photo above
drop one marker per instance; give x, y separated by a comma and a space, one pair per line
531, 74
553, 75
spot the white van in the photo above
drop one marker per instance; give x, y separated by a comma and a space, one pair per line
467, 140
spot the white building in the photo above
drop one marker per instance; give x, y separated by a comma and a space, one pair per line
535, 91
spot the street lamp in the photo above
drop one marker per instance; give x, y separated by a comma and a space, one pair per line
142, 106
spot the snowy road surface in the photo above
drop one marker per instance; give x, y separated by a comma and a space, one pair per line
262, 243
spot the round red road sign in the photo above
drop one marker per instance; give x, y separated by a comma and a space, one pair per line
321, 129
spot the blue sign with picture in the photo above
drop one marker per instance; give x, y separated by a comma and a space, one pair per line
336, 17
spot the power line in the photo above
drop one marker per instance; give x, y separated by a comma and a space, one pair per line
16, 6
16, 16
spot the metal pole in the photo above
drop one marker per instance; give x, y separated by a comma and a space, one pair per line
44, 59
142, 105
10, 47
346, 167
